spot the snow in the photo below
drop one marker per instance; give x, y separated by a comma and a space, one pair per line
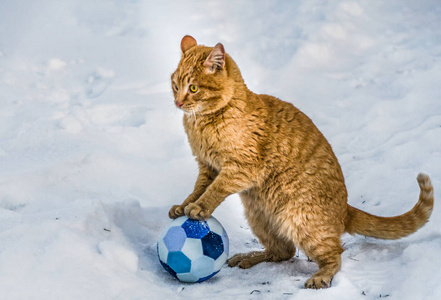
93, 153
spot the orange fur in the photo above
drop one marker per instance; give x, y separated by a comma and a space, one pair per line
283, 168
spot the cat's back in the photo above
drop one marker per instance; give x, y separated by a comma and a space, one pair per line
295, 143
287, 124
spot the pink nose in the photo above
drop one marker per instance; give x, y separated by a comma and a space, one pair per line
179, 104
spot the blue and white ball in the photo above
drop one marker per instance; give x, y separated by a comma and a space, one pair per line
193, 251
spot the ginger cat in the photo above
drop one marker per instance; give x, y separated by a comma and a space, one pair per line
284, 170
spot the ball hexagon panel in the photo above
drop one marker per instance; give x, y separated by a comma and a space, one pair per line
215, 226
218, 263
207, 277
192, 248
226, 241
195, 229
202, 267
174, 238
212, 245
187, 277
178, 221
162, 251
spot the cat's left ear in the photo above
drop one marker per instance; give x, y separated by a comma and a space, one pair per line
187, 43
216, 60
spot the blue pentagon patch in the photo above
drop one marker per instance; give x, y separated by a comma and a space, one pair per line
174, 239
212, 245
179, 262
195, 229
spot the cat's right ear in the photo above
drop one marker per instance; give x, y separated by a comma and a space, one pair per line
216, 59
187, 43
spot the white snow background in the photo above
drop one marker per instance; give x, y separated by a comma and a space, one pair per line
93, 152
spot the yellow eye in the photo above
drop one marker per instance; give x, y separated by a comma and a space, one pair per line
193, 88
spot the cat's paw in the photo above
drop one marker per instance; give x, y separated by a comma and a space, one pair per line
318, 282
241, 261
235, 260
247, 260
196, 212
176, 211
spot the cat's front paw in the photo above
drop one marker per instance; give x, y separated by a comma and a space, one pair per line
176, 211
196, 212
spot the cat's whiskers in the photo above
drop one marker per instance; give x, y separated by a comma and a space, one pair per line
191, 112
195, 112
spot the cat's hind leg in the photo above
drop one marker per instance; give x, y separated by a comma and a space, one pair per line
277, 248
327, 254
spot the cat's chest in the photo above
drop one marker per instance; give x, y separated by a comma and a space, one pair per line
211, 143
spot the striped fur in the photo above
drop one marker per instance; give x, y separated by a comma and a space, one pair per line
283, 168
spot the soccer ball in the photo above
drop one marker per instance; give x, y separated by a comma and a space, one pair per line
191, 250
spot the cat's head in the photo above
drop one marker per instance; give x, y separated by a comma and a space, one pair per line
206, 78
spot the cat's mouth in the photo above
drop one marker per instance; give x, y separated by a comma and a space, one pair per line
187, 108
190, 111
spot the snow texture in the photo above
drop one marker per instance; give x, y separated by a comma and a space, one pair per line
93, 153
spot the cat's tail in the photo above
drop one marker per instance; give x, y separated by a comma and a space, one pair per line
394, 227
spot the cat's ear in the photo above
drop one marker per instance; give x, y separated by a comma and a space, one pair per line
216, 60
187, 43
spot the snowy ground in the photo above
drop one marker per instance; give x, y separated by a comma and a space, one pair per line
93, 153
